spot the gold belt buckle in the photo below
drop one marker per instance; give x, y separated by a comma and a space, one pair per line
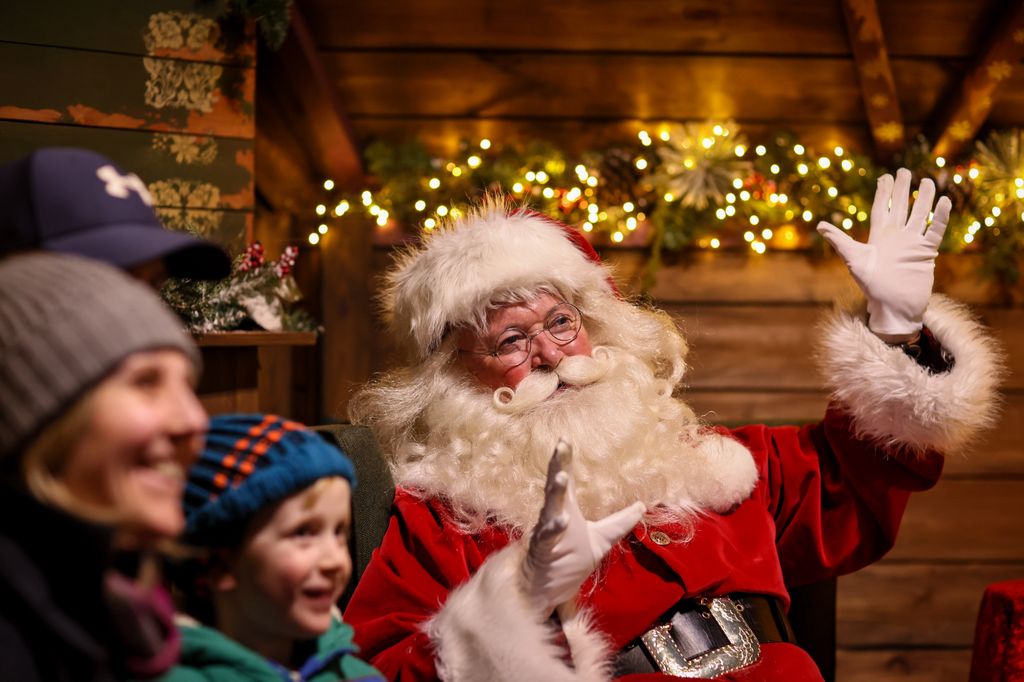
743, 648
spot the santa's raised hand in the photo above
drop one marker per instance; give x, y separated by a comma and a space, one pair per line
564, 547
895, 268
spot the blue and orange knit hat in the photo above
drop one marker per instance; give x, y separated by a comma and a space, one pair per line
251, 461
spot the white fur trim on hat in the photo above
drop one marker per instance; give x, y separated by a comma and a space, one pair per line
462, 266
894, 400
487, 631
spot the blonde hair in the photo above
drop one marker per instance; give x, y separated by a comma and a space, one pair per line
311, 494
46, 456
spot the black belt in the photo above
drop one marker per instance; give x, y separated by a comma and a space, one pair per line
707, 636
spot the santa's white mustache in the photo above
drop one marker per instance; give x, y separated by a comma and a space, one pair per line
539, 385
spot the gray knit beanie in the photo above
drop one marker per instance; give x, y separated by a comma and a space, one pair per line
66, 323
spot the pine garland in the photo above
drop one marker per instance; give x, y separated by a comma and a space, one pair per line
259, 294
700, 185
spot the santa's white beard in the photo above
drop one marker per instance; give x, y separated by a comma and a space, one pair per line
488, 454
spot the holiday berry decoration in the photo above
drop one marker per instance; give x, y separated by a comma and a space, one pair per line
252, 258
287, 261
260, 294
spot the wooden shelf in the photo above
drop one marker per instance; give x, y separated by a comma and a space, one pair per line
223, 339
252, 371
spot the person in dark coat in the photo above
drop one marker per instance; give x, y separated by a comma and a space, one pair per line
98, 423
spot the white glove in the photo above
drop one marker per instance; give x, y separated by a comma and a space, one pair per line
564, 547
895, 269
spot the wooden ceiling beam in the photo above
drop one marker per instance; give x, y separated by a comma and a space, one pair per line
961, 114
878, 88
309, 102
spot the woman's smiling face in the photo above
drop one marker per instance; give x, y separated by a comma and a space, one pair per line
145, 428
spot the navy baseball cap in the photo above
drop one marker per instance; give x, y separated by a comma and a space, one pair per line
77, 201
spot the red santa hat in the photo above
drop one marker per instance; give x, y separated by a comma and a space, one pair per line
459, 268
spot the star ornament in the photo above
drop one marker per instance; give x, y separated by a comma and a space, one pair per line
889, 132
961, 130
999, 70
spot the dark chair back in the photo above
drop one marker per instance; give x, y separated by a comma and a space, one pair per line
371, 501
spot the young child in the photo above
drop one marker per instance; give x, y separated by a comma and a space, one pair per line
271, 503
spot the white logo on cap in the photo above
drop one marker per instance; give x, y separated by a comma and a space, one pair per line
119, 185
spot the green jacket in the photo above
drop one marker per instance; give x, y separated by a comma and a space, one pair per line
209, 656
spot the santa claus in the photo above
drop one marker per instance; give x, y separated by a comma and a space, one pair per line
660, 547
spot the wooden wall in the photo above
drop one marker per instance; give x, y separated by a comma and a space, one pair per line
165, 88
585, 73
750, 322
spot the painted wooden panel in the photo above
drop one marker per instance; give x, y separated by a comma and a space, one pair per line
739, 26
186, 29
231, 229
918, 604
193, 170
893, 664
57, 85
602, 86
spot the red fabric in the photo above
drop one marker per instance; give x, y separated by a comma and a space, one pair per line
999, 636
826, 504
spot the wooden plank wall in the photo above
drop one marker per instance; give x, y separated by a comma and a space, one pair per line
165, 88
750, 322
586, 73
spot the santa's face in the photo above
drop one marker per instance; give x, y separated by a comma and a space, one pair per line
529, 318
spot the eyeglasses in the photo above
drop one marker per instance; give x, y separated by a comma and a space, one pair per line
512, 347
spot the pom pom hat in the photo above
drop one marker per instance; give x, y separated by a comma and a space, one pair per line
466, 263
251, 461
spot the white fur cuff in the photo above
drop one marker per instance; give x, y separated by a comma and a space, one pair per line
896, 401
487, 631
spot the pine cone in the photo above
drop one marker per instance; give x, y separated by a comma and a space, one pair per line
619, 178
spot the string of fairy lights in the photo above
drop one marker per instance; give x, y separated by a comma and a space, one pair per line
696, 185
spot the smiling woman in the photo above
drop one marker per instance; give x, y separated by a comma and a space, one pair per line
131, 438
98, 422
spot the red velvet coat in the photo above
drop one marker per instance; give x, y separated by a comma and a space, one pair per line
825, 504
